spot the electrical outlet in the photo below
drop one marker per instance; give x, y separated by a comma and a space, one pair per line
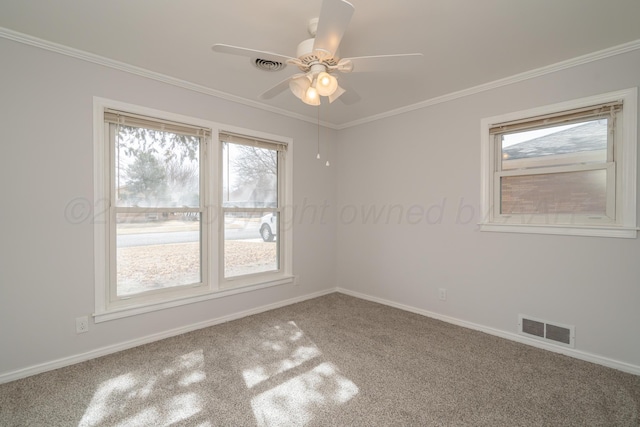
82, 324
442, 293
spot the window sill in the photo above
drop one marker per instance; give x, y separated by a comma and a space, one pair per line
573, 230
147, 307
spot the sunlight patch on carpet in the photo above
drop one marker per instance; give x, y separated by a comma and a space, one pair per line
292, 381
296, 401
124, 398
258, 374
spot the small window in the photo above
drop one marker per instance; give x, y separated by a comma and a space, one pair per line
564, 169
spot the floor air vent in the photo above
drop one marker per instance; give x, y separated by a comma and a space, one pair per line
545, 331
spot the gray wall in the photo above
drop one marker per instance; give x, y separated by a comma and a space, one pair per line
46, 262
431, 158
425, 160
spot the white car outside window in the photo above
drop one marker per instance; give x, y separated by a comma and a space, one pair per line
269, 227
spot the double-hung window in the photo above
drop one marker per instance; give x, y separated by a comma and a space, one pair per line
251, 206
185, 211
563, 169
156, 206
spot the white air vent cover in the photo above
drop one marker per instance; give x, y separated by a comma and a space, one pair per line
546, 331
267, 65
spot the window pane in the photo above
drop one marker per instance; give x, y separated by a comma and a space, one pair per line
250, 176
584, 142
583, 192
250, 243
156, 169
156, 251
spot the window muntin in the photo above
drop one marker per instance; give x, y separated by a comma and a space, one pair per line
251, 206
577, 177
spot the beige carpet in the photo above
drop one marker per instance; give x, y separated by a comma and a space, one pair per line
331, 361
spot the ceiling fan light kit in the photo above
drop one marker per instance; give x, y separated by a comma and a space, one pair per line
311, 95
318, 58
303, 86
315, 83
326, 84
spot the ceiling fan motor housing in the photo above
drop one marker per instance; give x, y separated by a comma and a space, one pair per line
307, 56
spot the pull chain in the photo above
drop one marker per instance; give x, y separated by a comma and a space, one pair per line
318, 155
327, 149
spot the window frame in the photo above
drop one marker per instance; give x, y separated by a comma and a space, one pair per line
620, 165
233, 281
212, 232
113, 299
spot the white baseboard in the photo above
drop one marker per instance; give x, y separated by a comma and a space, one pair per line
103, 351
588, 357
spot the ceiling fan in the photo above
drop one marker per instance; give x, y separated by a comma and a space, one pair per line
318, 59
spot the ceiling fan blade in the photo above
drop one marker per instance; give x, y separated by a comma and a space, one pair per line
276, 90
335, 16
348, 96
380, 63
251, 53
280, 87
337, 94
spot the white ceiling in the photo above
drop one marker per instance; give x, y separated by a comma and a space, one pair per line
465, 43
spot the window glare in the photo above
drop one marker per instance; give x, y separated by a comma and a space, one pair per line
250, 176
156, 169
584, 142
517, 137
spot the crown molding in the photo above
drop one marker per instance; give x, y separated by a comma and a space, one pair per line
527, 75
128, 68
143, 72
